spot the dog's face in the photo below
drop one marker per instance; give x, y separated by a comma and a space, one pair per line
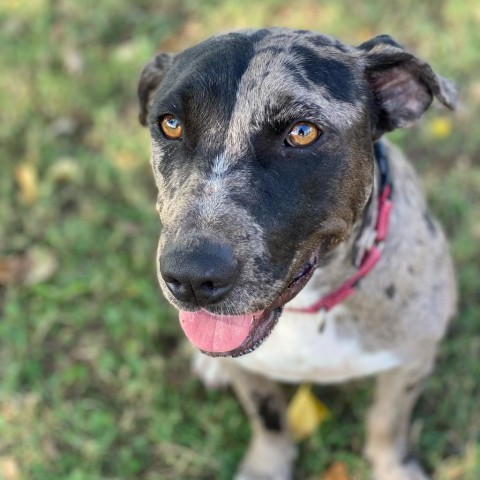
262, 154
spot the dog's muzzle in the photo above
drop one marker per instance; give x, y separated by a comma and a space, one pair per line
200, 273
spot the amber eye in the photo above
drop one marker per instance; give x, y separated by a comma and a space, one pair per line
302, 134
171, 127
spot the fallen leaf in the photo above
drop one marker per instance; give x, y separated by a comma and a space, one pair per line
12, 269
337, 471
305, 413
9, 468
34, 266
26, 176
65, 169
440, 127
42, 264
73, 61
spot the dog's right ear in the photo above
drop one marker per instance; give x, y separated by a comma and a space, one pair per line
149, 81
403, 86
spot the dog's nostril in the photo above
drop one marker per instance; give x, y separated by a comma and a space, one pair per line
172, 281
208, 286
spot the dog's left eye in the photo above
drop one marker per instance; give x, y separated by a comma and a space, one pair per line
302, 134
171, 127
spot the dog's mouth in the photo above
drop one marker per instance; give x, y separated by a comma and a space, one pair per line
235, 335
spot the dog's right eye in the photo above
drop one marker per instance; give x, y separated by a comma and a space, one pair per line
171, 127
302, 134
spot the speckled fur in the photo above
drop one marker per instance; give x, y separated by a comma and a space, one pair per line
392, 325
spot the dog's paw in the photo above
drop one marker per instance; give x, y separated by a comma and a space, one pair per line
269, 457
210, 370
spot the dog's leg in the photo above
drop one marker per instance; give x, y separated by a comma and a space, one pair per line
271, 451
388, 422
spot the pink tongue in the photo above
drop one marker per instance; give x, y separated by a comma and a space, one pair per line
215, 333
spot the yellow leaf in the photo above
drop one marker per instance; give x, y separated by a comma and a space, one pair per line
305, 413
9, 468
27, 180
440, 127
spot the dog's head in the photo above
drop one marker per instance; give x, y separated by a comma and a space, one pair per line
262, 154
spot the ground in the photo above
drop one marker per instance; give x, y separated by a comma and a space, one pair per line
94, 379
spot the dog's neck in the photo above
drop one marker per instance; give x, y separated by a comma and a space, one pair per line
363, 230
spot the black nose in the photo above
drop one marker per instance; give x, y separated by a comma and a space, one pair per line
201, 274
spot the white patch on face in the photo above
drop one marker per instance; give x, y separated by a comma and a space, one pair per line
220, 164
296, 351
214, 195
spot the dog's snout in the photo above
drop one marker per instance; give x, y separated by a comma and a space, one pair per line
201, 275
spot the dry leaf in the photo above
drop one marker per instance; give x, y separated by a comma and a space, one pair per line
27, 180
9, 468
34, 266
65, 169
305, 413
12, 269
42, 264
338, 471
73, 61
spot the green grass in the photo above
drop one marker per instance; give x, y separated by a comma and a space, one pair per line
94, 379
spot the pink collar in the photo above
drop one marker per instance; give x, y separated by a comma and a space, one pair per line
373, 254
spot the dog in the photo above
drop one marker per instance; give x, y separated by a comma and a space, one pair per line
296, 241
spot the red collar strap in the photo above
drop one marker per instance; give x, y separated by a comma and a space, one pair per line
374, 253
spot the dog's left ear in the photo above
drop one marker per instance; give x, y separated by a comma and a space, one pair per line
150, 79
403, 86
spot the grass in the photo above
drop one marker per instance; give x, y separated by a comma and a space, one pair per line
95, 380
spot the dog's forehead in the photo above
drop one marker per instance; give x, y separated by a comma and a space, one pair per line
242, 81
303, 59
268, 64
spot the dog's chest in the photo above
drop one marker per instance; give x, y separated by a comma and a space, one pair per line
297, 350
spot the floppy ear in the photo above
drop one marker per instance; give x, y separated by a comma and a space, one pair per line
150, 78
403, 86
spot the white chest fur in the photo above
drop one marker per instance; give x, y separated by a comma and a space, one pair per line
297, 351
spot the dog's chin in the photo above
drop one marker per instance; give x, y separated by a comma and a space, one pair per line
236, 335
